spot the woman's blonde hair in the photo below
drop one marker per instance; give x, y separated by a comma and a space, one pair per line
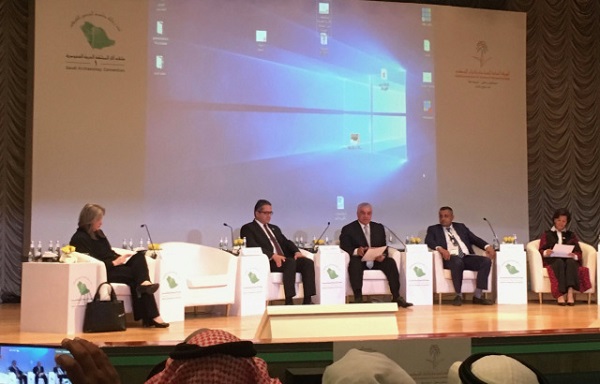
89, 214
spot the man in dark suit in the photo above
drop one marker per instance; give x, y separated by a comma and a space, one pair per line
356, 238
39, 373
21, 377
283, 254
454, 241
60, 374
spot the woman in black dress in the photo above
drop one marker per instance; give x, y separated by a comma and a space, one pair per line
126, 269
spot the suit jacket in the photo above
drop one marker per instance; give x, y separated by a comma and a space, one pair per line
256, 237
353, 236
38, 371
16, 371
550, 238
436, 237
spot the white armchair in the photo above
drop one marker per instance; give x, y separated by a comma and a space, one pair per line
275, 285
374, 281
540, 283
209, 273
443, 279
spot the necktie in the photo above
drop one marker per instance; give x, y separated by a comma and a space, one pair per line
455, 243
368, 236
274, 241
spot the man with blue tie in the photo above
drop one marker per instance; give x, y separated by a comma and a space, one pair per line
283, 254
355, 239
454, 241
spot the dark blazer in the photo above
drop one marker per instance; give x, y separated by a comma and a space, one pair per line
352, 236
256, 237
436, 237
16, 371
550, 238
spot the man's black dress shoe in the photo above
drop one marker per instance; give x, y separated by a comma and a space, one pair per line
402, 303
289, 302
155, 324
148, 289
482, 301
457, 302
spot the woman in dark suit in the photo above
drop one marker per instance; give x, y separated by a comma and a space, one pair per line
126, 269
565, 269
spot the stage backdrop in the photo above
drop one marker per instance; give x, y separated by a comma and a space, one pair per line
181, 115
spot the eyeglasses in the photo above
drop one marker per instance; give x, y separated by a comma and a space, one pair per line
266, 212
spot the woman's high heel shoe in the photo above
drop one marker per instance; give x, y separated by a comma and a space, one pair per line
148, 289
155, 324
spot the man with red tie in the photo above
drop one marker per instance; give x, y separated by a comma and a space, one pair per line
283, 254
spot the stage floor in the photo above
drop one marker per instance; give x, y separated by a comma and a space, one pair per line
437, 321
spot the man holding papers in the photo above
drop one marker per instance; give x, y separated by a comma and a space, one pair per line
561, 262
364, 240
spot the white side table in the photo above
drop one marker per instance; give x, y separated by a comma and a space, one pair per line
169, 297
330, 275
54, 296
416, 275
511, 274
251, 283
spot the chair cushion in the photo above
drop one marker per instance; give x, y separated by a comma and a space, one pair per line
207, 281
371, 274
277, 278
467, 275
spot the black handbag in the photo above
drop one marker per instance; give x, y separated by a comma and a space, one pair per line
104, 316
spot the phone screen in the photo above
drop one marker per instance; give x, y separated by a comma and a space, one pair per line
25, 358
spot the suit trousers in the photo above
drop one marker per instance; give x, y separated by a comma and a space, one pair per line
481, 264
306, 268
134, 273
566, 272
388, 266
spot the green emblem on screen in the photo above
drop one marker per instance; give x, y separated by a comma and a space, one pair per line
96, 36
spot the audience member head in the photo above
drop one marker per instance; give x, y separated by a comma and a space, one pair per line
90, 218
212, 356
492, 368
263, 211
363, 367
364, 212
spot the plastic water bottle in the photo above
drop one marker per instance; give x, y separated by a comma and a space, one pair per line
31, 254
221, 243
244, 243
125, 246
39, 251
130, 244
226, 243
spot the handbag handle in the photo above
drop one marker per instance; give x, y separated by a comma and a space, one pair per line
113, 295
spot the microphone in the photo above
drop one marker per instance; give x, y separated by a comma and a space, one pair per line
322, 233
396, 236
495, 242
230, 230
150, 238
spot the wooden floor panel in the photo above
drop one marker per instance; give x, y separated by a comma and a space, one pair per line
437, 321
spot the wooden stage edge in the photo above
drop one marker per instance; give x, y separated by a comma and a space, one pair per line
437, 321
